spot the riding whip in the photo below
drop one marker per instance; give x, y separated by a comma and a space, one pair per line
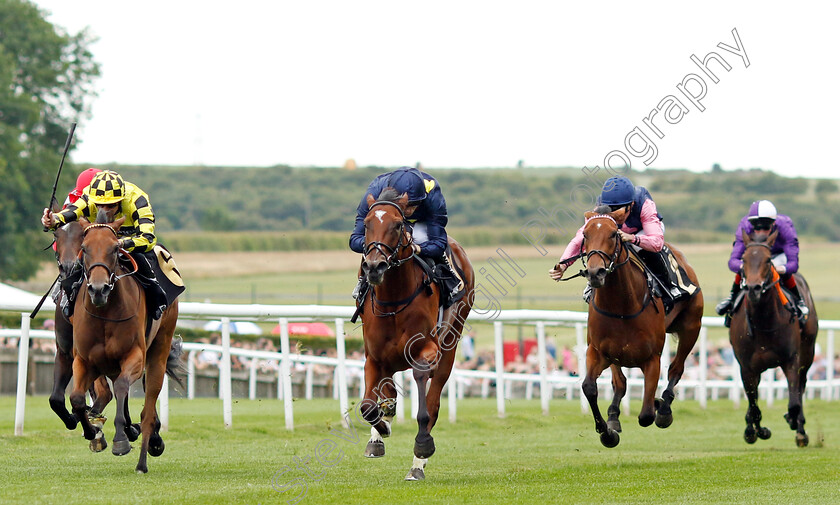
60, 166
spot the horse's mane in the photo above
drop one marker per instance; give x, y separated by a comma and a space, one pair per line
389, 195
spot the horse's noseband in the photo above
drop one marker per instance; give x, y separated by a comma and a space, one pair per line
768, 281
391, 255
112, 277
609, 259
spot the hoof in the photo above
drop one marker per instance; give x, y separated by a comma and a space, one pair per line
664, 420
121, 448
416, 474
156, 445
424, 450
132, 431
801, 440
614, 424
141, 469
750, 435
375, 449
645, 421
764, 433
98, 444
610, 438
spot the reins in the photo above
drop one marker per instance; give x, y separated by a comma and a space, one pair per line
112, 277
393, 261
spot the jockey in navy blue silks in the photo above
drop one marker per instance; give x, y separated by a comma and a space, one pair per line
426, 211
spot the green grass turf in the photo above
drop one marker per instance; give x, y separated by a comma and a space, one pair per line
523, 459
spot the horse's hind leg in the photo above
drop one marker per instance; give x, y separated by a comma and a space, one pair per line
62, 372
150, 425
595, 364
424, 444
619, 382
651, 372
795, 415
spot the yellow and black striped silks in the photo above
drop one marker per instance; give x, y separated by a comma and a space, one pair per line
138, 229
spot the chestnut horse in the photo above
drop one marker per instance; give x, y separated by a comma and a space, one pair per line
765, 335
401, 328
627, 325
68, 243
110, 338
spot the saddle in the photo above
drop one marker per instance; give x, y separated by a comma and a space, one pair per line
668, 280
435, 272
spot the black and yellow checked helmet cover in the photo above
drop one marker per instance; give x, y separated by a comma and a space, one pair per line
107, 187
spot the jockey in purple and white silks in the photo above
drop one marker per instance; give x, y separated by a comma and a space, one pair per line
762, 216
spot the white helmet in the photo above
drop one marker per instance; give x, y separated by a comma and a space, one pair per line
762, 209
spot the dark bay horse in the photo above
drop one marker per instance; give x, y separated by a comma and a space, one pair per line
627, 325
401, 328
68, 243
111, 338
765, 335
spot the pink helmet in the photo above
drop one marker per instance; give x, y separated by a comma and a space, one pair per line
82, 182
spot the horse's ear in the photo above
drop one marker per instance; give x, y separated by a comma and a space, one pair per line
116, 224
370, 200
620, 215
84, 222
771, 239
589, 215
403, 201
745, 237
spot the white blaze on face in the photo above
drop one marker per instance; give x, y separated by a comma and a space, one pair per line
379, 214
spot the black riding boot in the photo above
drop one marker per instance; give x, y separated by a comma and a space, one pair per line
801, 306
726, 304
155, 296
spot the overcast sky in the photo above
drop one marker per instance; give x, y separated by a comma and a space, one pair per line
458, 84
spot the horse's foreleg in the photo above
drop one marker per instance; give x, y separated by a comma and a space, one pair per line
795, 415
753, 431
62, 372
651, 372
132, 368
595, 364
83, 377
619, 383
376, 390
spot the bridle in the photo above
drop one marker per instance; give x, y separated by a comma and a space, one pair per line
768, 281
612, 259
112, 277
391, 256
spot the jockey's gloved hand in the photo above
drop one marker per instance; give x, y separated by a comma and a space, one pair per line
48, 219
782, 269
556, 273
626, 237
415, 248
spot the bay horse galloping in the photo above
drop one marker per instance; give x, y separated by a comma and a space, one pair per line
113, 336
68, 243
401, 328
627, 324
764, 335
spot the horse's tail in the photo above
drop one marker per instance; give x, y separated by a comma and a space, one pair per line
174, 363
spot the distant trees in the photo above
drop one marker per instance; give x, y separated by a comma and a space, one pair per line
46, 79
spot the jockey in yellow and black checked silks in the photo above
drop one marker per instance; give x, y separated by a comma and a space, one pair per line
138, 230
